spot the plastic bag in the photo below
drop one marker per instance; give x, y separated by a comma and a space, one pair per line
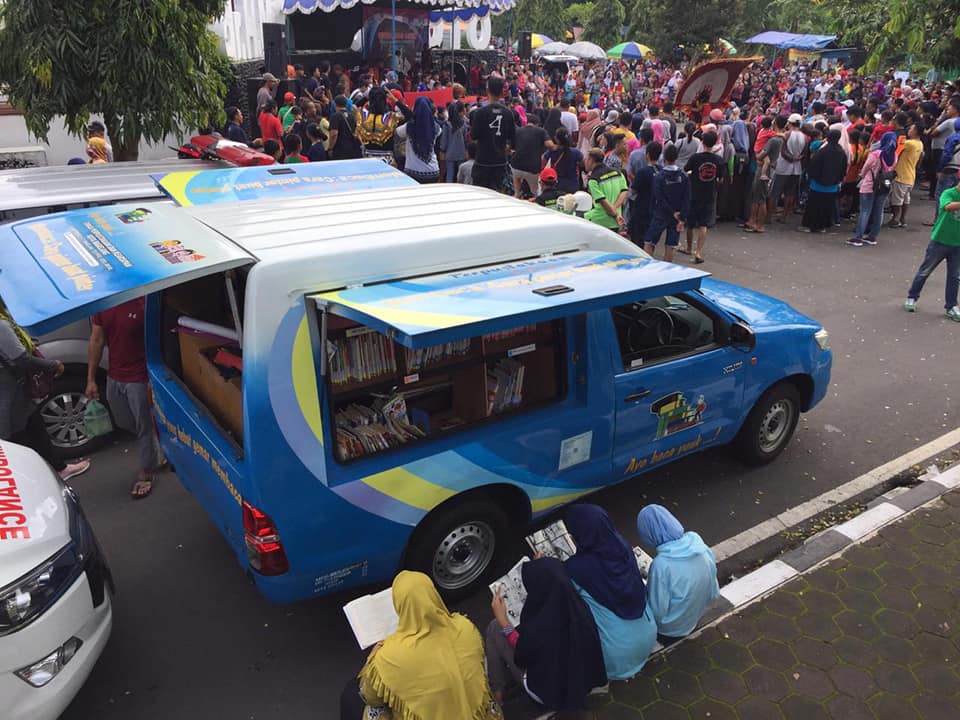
96, 419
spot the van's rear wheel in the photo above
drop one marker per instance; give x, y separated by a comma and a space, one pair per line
769, 426
458, 546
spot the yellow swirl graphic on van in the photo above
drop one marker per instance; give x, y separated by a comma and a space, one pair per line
304, 378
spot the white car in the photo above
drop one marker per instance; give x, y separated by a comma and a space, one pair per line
55, 586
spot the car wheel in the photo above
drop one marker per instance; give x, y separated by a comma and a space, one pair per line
458, 547
62, 415
769, 426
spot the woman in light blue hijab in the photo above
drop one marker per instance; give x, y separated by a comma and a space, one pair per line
683, 576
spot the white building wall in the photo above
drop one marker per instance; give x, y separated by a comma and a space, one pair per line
240, 31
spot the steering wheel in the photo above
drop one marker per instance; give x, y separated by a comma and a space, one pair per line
657, 322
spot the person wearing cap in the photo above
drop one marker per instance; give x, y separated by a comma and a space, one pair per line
289, 100
549, 192
266, 91
97, 129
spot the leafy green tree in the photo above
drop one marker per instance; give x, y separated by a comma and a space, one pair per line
150, 68
605, 23
640, 29
550, 20
691, 23
577, 14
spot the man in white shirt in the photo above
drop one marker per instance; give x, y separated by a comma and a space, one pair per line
786, 179
98, 129
569, 119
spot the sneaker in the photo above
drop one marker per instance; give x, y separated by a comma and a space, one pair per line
74, 469
910, 305
954, 313
855, 242
869, 241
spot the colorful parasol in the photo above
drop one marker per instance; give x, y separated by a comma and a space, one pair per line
586, 51
538, 40
727, 47
712, 82
629, 51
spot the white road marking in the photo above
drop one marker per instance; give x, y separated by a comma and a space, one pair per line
803, 512
757, 583
869, 521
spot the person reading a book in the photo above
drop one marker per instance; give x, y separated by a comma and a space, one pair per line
431, 667
683, 576
555, 653
605, 573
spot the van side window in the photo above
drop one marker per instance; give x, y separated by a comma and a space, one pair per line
383, 395
661, 329
198, 343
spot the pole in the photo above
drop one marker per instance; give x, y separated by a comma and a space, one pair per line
393, 34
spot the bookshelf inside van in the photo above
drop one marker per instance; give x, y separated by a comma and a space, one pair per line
384, 395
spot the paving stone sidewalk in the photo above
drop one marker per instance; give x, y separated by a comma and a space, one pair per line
872, 634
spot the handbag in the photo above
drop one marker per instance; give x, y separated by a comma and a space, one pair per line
39, 384
883, 180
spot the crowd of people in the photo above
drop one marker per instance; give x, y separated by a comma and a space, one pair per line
586, 620
830, 144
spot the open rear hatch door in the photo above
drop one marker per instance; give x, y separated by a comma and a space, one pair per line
66, 266
425, 311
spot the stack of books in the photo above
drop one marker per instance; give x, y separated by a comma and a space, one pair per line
504, 386
362, 430
418, 359
362, 354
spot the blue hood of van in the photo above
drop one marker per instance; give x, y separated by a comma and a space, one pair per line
759, 310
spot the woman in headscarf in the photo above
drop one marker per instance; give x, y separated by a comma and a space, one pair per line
553, 123
604, 571
873, 196
587, 128
19, 419
827, 168
555, 653
683, 576
420, 134
430, 667
96, 150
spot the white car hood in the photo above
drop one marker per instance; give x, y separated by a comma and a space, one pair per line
33, 514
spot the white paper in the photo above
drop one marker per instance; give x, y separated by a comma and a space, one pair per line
514, 593
575, 450
643, 561
553, 541
372, 617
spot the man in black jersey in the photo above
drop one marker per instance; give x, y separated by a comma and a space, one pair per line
492, 129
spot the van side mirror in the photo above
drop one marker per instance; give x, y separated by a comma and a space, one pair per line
742, 336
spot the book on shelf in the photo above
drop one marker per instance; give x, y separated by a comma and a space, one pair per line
363, 429
504, 385
422, 357
513, 590
511, 333
553, 541
372, 617
362, 354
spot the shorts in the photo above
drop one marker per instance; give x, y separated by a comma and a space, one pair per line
786, 185
657, 226
489, 176
760, 191
702, 215
533, 179
900, 193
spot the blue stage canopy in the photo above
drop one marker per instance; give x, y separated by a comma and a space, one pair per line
788, 41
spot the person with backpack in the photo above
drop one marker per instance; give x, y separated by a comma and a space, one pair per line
876, 181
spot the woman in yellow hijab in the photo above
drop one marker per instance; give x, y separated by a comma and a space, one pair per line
431, 668
96, 150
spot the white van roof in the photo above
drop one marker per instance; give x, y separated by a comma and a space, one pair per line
43, 187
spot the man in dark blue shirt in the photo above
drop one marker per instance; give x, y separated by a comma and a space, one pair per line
234, 129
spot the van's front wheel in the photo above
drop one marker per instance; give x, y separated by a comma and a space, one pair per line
457, 547
770, 425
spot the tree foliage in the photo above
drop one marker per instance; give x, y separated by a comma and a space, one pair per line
691, 23
577, 14
150, 68
605, 23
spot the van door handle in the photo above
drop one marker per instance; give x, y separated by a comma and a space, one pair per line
637, 396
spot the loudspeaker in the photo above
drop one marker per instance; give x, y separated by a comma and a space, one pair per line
275, 48
524, 48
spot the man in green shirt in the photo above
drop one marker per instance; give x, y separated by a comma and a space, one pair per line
608, 188
944, 245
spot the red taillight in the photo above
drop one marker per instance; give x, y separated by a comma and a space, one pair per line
264, 549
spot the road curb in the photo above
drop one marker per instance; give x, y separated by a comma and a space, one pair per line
824, 546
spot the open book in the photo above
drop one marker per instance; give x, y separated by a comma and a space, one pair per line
372, 617
553, 541
514, 593
643, 561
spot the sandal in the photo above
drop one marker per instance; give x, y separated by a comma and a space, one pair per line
697, 260
684, 252
141, 488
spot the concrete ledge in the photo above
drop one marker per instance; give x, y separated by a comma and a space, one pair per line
917, 496
757, 583
869, 521
815, 550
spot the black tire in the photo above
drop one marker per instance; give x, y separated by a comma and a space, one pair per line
445, 541
62, 414
770, 425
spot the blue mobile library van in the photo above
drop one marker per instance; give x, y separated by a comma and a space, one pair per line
394, 375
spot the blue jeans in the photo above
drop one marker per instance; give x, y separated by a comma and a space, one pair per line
871, 215
452, 167
936, 254
657, 226
945, 181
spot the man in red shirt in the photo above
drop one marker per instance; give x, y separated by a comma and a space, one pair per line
270, 126
128, 394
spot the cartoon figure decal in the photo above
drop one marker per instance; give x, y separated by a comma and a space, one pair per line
676, 414
134, 216
174, 252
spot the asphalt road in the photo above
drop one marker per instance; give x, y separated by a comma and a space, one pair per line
193, 639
